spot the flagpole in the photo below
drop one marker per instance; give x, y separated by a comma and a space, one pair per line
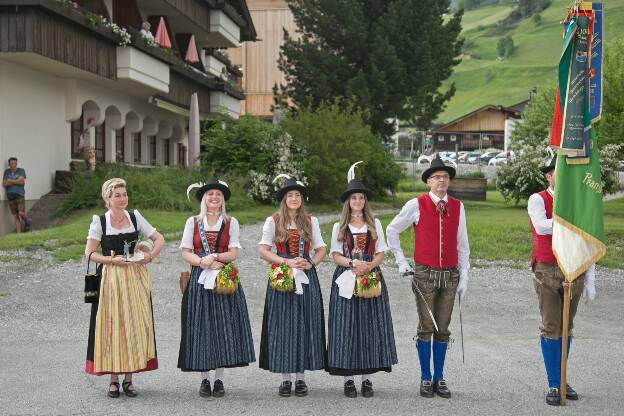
567, 293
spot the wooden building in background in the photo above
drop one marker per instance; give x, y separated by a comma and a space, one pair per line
259, 59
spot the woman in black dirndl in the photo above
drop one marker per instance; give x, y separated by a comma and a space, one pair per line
361, 336
293, 325
215, 327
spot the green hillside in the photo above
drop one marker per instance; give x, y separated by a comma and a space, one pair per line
482, 79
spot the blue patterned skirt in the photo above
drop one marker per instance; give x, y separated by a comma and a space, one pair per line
293, 329
361, 337
215, 329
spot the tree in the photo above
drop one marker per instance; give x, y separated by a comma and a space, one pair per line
610, 129
387, 57
505, 46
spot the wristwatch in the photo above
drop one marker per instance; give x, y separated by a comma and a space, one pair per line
351, 263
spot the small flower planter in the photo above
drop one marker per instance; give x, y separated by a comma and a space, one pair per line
468, 189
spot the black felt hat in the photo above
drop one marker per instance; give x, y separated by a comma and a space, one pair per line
355, 186
550, 166
436, 165
212, 183
291, 184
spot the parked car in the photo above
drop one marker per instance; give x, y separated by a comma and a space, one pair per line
473, 157
463, 157
502, 158
487, 156
620, 165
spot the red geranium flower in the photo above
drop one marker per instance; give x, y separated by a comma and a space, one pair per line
279, 276
365, 282
233, 278
233, 274
274, 266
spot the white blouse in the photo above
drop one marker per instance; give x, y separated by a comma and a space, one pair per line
380, 245
95, 229
268, 233
189, 230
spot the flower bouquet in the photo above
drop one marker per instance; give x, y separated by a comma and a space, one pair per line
281, 278
227, 280
368, 285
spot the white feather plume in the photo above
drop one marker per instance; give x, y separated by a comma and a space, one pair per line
550, 152
191, 187
281, 175
351, 172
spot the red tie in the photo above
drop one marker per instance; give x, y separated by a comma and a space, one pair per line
441, 207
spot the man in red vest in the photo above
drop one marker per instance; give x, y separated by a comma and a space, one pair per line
548, 280
441, 254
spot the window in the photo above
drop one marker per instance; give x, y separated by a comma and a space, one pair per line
440, 138
120, 150
136, 147
152, 141
181, 154
100, 142
166, 147
75, 131
453, 138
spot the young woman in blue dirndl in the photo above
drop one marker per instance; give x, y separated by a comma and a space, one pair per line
215, 326
293, 325
361, 337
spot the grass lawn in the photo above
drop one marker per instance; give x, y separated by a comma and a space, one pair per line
485, 80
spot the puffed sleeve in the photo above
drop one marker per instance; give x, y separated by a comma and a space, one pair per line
336, 246
144, 227
381, 245
268, 232
187, 236
95, 229
234, 233
317, 238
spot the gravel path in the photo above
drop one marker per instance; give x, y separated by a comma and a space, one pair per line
43, 331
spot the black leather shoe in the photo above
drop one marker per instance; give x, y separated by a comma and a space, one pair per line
128, 389
349, 389
284, 388
204, 389
217, 389
426, 388
301, 388
552, 397
571, 394
441, 389
367, 388
113, 393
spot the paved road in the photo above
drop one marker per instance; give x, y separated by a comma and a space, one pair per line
43, 331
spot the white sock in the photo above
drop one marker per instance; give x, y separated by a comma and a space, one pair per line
285, 376
368, 377
347, 378
219, 374
300, 376
205, 375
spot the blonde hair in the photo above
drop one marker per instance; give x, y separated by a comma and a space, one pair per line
283, 221
345, 218
109, 187
203, 210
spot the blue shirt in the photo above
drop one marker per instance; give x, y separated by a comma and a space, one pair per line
15, 189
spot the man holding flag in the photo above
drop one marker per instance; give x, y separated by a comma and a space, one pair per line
572, 211
548, 282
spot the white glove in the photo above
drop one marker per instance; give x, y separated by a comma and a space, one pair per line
405, 268
590, 283
462, 286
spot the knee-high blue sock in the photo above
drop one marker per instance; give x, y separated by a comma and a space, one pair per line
551, 351
439, 354
424, 357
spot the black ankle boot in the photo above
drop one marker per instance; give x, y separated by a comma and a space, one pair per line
301, 388
367, 388
441, 389
284, 388
571, 394
217, 389
349, 389
204, 389
552, 397
426, 388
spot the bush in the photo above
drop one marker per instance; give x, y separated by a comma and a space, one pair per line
253, 149
160, 187
521, 177
333, 139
